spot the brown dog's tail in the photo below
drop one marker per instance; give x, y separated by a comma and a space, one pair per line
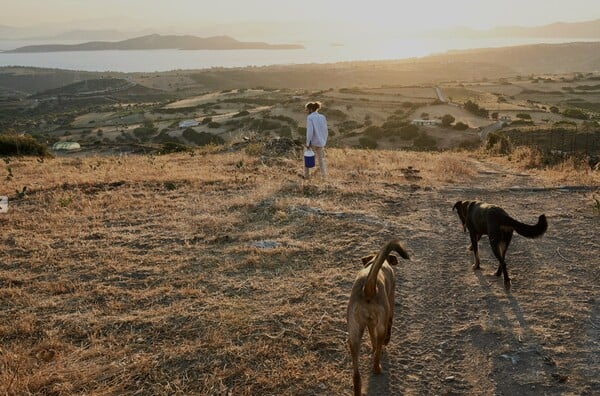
529, 231
371, 283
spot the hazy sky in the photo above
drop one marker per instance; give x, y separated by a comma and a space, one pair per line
293, 16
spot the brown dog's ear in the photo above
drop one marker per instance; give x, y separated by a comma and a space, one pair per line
392, 260
367, 259
457, 206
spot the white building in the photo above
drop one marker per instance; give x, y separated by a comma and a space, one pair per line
426, 122
188, 123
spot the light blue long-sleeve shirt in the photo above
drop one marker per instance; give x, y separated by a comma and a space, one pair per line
316, 129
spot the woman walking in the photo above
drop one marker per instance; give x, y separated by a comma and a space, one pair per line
316, 136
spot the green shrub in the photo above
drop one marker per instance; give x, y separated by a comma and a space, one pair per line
524, 116
447, 120
146, 131
367, 143
21, 145
460, 126
241, 114
498, 144
164, 137
335, 114
202, 138
264, 125
346, 126
474, 108
373, 131
424, 142
575, 113
173, 147
409, 132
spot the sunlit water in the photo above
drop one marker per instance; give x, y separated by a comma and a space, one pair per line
166, 60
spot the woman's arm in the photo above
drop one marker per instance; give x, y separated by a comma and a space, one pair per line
310, 130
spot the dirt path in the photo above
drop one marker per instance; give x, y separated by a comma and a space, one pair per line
457, 331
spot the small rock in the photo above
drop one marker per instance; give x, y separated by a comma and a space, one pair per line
266, 244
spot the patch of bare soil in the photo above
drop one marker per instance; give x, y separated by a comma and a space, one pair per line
227, 274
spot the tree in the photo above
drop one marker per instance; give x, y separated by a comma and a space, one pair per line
409, 132
460, 126
575, 113
367, 143
373, 131
447, 120
424, 142
475, 109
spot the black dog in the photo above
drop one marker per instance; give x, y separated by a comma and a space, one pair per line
481, 219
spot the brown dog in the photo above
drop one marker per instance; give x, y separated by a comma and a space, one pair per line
481, 219
371, 305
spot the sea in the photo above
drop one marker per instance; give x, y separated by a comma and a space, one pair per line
170, 60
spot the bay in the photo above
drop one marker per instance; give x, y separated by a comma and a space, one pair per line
172, 59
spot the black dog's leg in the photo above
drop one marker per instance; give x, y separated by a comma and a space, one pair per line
499, 243
474, 240
478, 238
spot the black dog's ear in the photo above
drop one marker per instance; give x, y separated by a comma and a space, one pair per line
457, 206
367, 259
392, 260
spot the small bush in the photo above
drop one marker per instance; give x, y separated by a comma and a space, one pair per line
21, 145
173, 147
409, 132
241, 114
145, 132
345, 126
424, 142
475, 109
255, 149
367, 143
164, 137
373, 132
498, 144
575, 113
202, 138
460, 126
447, 120
335, 114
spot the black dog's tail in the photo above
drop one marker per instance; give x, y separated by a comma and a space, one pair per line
371, 283
530, 231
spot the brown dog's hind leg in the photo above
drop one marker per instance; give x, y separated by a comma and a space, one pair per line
388, 333
377, 337
354, 345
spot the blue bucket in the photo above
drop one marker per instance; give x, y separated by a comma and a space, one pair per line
309, 158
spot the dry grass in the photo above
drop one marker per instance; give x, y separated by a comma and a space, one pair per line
572, 170
146, 275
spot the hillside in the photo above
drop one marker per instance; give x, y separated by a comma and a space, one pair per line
538, 58
155, 42
223, 272
560, 30
491, 63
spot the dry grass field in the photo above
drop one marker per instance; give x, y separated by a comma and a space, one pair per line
224, 273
